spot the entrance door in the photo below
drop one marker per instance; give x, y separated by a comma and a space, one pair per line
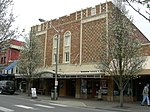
71, 85
140, 86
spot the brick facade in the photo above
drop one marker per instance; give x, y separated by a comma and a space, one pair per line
146, 49
87, 28
9, 57
11, 53
86, 31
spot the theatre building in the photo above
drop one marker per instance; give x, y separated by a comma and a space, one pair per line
79, 45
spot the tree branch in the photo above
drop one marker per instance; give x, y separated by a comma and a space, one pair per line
137, 11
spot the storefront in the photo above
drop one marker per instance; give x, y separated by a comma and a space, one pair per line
80, 85
91, 86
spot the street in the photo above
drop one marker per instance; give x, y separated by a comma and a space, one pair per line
15, 103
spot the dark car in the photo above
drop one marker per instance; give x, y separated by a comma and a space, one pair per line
7, 86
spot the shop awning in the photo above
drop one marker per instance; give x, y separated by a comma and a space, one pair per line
81, 75
7, 75
12, 65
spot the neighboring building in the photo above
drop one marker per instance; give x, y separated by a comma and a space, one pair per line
78, 52
143, 77
9, 56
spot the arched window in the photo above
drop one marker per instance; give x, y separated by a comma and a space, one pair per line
67, 45
55, 53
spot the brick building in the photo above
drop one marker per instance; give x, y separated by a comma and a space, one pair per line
9, 56
78, 49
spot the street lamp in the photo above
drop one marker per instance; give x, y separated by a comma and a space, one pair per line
56, 59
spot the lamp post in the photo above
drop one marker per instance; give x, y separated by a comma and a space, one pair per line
56, 59
56, 82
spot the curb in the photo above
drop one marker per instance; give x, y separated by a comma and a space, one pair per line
83, 104
92, 107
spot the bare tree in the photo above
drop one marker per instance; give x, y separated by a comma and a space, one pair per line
121, 57
145, 3
31, 57
6, 20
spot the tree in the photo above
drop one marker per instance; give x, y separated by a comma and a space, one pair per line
6, 20
120, 56
142, 2
31, 57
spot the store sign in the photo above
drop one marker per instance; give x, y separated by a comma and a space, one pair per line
56, 83
47, 75
33, 91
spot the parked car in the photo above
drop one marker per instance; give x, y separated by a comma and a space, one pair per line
7, 86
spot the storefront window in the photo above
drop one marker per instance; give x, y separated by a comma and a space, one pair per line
104, 87
89, 87
116, 90
127, 91
83, 86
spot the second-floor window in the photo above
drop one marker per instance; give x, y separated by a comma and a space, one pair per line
55, 49
4, 59
1, 60
67, 45
67, 56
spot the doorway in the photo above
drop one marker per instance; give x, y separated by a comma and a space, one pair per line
71, 87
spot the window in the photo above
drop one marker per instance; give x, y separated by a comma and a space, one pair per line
12, 71
67, 39
55, 42
4, 60
1, 60
17, 70
67, 43
66, 56
54, 57
55, 49
93, 11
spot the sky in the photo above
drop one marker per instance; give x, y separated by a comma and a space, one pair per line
28, 12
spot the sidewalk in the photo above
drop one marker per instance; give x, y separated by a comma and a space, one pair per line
105, 105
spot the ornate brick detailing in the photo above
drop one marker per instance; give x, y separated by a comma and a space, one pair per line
92, 34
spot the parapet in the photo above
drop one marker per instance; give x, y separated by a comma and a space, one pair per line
76, 16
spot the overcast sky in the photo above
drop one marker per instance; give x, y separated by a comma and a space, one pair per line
29, 11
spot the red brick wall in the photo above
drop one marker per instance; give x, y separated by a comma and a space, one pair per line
146, 49
92, 33
12, 54
74, 28
49, 48
16, 42
139, 35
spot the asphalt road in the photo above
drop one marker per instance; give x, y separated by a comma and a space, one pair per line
14, 103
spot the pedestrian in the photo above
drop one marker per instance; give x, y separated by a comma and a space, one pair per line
145, 95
